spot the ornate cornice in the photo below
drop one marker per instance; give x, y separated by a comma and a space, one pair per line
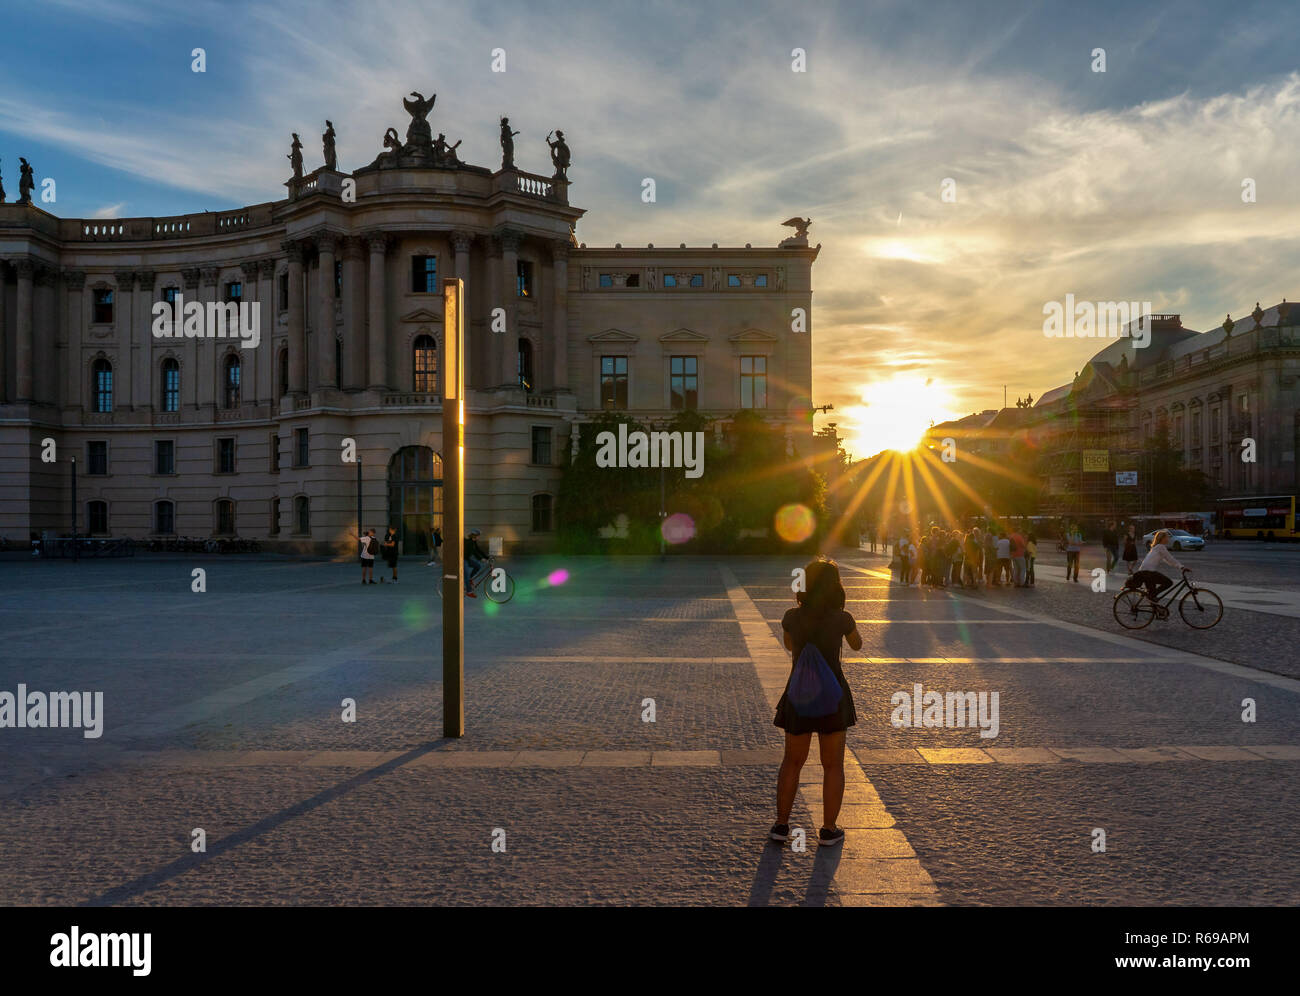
461, 241
294, 249
190, 278
210, 275
125, 279
74, 280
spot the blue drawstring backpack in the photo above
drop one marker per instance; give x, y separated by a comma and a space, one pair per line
813, 689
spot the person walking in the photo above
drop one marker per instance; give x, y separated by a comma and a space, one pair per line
1073, 547
390, 552
1130, 547
1031, 554
901, 548
973, 562
820, 620
1110, 540
990, 556
368, 547
1004, 559
435, 544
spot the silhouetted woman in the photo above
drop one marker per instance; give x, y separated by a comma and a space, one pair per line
819, 619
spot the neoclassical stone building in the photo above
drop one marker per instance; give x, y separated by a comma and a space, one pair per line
204, 437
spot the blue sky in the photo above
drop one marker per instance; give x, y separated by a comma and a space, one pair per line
1117, 185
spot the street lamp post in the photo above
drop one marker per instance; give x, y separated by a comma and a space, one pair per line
453, 505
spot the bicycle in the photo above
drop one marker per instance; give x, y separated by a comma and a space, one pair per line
486, 574
1199, 607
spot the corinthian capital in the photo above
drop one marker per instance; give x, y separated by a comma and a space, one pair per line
125, 279
461, 241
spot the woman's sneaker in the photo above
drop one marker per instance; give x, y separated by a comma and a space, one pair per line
829, 838
779, 831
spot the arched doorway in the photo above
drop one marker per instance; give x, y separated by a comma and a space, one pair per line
415, 496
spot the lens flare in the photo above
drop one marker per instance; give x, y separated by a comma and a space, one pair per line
678, 528
557, 577
414, 614
795, 523
490, 609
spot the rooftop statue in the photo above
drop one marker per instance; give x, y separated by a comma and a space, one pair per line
444, 154
2, 187
295, 157
331, 157
419, 136
507, 145
559, 155
392, 143
800, 226
25, 181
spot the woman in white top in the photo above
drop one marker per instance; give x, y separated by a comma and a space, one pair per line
1149, 573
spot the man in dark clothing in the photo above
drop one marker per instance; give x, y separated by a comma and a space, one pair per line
1110, 540
474, 558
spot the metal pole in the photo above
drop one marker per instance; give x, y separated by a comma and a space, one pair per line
361, 529
453, 509
76, 554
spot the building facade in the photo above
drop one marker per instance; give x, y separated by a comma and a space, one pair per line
185, 435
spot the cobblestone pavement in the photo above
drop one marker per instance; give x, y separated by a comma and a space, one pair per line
223, 711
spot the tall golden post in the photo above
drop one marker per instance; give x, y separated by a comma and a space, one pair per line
453, 510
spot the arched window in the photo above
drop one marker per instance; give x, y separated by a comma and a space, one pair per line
97, 517
225, 517
415, 496
302, 515
164, 518
425, 365
171, 385
102, 374
230, 380
284, 372
525, 364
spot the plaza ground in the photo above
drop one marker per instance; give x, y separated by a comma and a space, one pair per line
222, 712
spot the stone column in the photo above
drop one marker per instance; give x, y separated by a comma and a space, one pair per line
188, 348
123, 372
325, 328
494, 342
143, 370
377, 333
45, 328
297, 328
23, 330
266, 387
74, 282
509, 300
560, 315
4, 349
354, 314
460, 244
209, 351
250, 359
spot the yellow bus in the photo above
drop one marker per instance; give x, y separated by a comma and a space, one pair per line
1269, 518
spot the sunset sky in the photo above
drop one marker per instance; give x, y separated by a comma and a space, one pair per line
1125, 184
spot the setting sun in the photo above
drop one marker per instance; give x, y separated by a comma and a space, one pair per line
895, 413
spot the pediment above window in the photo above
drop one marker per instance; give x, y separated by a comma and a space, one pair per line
422, 315
613, 336
684, 335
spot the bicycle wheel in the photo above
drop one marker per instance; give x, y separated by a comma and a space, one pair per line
491, 585
1133, 610
1200, 608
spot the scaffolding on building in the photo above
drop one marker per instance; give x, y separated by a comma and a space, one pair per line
1091, 463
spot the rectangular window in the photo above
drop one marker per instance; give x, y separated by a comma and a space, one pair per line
284, 291
684, 381
1214, 425
697, 279
338, 278
634, 280
226, 455
97, 457
97, 517
1243, 403
164, 456
301, 452
1196, 429
169, 294
234, 292
670, 280
274, 449
523, 278
733, 280
424, 274
753, 382
542, 445
275, 516
760, 280
541, 513
103, 312
164, 518
613, 383
606, 280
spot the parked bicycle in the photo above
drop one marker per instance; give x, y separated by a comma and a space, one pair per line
1199, 607
498, 588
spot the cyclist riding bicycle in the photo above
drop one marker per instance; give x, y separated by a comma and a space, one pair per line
475, 557
1148, 574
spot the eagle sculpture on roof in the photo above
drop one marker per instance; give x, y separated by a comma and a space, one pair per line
800, 225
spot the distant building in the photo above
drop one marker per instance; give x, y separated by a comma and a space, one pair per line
206, 438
